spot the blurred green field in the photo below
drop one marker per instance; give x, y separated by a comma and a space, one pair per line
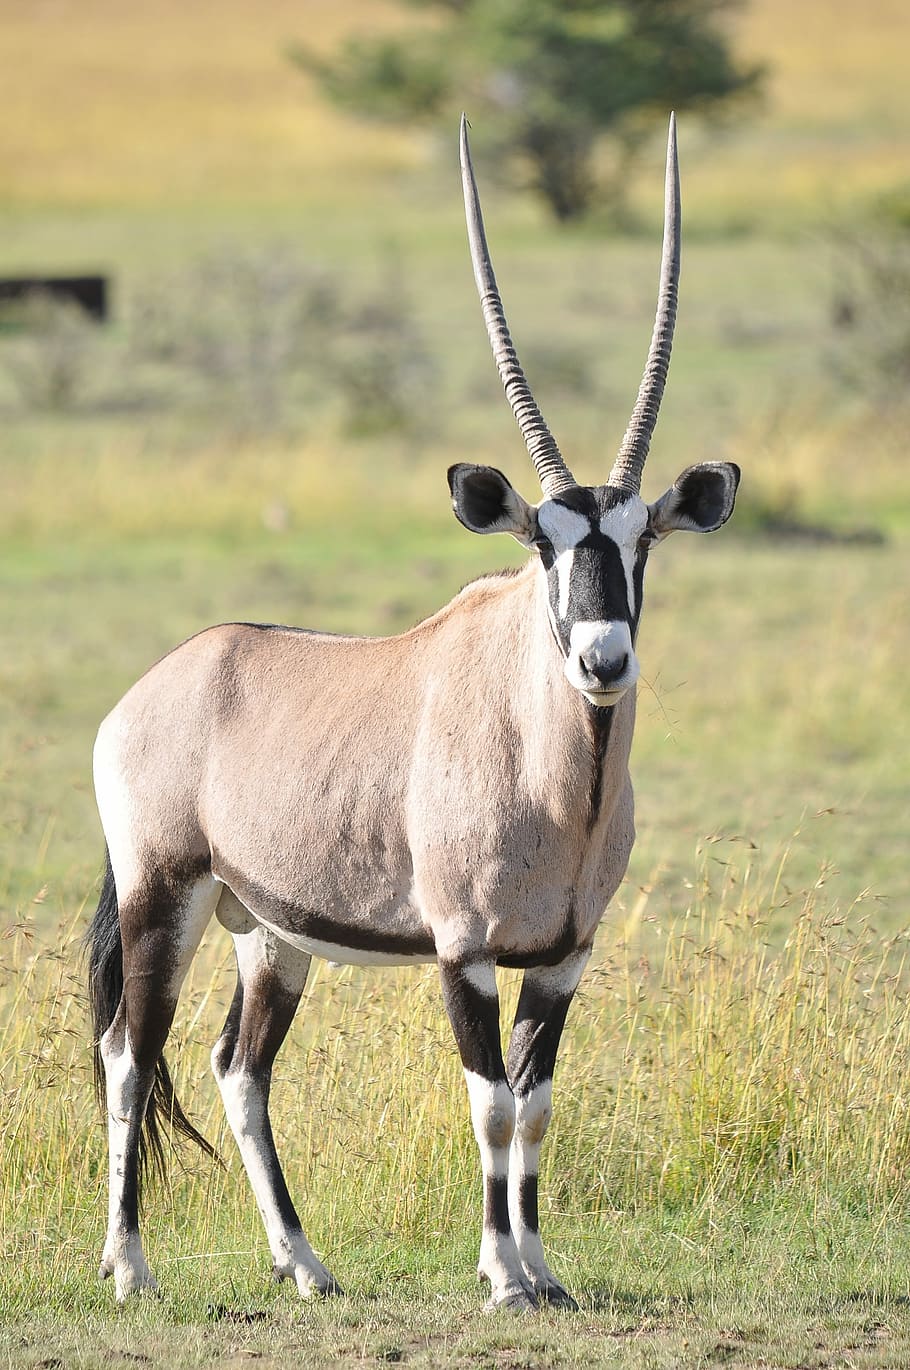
769, 885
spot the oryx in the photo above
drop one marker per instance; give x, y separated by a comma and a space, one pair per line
459, 793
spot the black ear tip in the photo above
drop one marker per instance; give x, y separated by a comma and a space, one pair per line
736, 473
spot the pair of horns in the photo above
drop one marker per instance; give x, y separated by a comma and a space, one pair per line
551, 469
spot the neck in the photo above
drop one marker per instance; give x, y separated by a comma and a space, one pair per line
564, 734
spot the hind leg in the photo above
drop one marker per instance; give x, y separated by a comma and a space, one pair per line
270, 980
160, 930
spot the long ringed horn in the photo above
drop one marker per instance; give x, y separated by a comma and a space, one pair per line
552, 471
630, 460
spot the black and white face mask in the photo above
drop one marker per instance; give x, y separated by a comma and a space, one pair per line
593, 542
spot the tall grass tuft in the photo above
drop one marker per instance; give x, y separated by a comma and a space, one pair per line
725, 1071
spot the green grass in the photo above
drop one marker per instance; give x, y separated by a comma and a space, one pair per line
801, 1320
816, 1330
723, 1182
725, 1177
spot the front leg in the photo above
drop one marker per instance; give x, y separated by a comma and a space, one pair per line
546, 993
472, 1003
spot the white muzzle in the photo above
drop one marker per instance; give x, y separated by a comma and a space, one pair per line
601, 661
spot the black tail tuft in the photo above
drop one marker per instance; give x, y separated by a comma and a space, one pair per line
105, 982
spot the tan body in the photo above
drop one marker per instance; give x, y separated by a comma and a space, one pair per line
391, 798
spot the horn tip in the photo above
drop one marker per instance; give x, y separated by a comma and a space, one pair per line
673, 163
463, 146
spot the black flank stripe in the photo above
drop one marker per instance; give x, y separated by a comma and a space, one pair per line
306, 922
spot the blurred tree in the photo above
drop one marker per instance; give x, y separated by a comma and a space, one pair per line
555, 77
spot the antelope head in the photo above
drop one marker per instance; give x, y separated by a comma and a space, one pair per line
592, 541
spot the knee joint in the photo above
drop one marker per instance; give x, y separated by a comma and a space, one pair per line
533, 1114
492, 1111
499, 1124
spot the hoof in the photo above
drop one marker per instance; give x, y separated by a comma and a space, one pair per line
330, 1290
130, 1271
309, 1286
130, 1289
514, 1301
557, 1297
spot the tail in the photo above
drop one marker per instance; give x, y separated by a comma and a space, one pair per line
105, 983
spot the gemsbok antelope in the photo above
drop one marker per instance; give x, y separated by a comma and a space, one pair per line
459, 794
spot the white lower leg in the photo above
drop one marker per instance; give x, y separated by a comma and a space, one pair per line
533, 1113
493, 1118
123, 1256
245, 1103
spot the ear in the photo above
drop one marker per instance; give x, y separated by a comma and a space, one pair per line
699, 500
485, 502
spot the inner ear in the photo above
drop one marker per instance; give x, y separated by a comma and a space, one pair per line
700, 499
485, 502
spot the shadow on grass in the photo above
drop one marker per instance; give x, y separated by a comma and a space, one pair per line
643, 1306
877, 1298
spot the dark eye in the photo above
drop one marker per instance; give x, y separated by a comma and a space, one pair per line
544, 547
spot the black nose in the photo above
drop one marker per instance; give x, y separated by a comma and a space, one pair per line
606, 671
